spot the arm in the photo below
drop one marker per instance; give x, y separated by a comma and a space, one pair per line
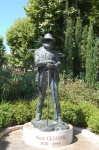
37, 61
45, 63
40, 64
54, 64
58, 65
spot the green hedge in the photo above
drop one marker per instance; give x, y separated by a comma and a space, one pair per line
93, 121
6, 114
83, 114
21, 112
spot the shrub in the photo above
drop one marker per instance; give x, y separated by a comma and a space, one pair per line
4, 83
6, 114
76, 91
93, 121
87, 109
76, 114
15, 86
82, 114
21, 112
27, 88
33, 105
68, 112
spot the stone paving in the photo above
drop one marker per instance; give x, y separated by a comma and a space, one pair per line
14, 141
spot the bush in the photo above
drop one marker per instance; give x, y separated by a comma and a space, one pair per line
83, 114
76, 91
33, 105
68, 112
87, 109
15, 86
93, 121
21, 112
5, 75
27, 88
6, 114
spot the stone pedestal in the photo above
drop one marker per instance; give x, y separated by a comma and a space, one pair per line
40, 139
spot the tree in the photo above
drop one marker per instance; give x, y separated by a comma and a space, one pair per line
83, 47
63, 20
90, 59
77, 49
96, 51
90, 10
47, 16
68, 49
50, 16
20, 38
2, 52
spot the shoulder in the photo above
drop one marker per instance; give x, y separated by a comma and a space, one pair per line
37, 51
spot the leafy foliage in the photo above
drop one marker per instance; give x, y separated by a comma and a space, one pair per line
90, 10
20, 112
68, 112
68, 21
76, 107
90, 59
46, 15
68, 49
77, 47
2, 52
20, 39
6, 114
14, 86
77, 91
93, 121
83, 47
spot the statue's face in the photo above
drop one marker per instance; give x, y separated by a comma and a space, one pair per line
48, 44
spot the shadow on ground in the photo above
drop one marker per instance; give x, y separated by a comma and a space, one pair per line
75, 139
4, 144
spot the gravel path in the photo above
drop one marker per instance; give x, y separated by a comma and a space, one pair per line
14, 141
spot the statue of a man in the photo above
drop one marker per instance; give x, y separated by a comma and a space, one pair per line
48, 63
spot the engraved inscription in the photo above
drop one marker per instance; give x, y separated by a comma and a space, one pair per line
54, 138
56, 143
40, 138
44, 143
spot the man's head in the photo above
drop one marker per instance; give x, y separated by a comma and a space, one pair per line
48, 41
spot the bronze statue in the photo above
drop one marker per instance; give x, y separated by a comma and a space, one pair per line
46, 59
48, 64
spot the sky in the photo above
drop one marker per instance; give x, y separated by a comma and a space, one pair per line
10, 10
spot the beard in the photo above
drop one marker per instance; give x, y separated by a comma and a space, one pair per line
47, 46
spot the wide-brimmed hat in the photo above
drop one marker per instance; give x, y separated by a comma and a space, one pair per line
48, 36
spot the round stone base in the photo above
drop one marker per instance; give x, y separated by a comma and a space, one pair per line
40, 139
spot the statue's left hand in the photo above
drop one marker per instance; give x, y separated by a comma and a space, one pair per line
50, 66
